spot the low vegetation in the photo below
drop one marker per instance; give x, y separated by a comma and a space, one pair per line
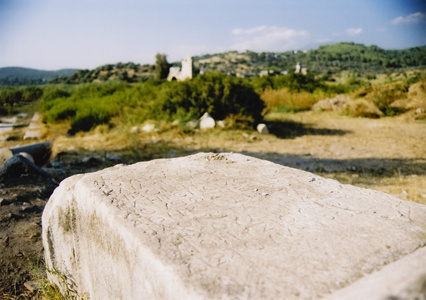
243, 102
87, 106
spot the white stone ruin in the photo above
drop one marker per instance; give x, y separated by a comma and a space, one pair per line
186, 72
229, 226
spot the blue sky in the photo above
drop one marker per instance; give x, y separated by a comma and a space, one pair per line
55, 34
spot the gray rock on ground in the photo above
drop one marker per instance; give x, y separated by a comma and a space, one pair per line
40, 152
228, 226
19, 169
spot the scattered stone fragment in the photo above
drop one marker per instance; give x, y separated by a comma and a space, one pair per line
39, 151
135, 129
207, 122
32, 286
112, 157
4, 202
29, 208
262, 128
36, 129
337, 104
192, 124
27, 156
221, 124
56, 173
90, 160
148, 128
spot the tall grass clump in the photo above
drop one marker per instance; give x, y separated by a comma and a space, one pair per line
385, 96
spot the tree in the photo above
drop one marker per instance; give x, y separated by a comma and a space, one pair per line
161, 66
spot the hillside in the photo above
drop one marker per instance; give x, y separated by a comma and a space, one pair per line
327, 60
25, 76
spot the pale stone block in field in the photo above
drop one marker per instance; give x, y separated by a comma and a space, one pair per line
224, 226
36, 129
207, 122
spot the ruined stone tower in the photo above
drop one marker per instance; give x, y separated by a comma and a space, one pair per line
186, 72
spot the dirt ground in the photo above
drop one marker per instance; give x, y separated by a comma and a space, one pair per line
387, 154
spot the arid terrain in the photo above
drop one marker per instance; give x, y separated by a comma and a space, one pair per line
386, 154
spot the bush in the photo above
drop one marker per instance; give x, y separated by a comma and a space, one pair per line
219, 95
12, 95
89, 105
54, 92
85, 105
86, 120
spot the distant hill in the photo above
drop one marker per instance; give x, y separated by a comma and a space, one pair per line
26, 76
325, 60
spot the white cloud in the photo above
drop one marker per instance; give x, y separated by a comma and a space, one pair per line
250, 31
269, 38
354, 31
417, 17
324, 41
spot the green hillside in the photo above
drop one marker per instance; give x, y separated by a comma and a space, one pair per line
24, 76
327, 60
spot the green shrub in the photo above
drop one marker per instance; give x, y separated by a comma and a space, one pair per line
219, 95
54, 92
89, 105
12, 95
86, 120
85, 105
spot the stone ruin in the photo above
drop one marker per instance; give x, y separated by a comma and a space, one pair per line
186, 72
229, 226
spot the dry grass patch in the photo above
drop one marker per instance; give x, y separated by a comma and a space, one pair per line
285, 100
417, 95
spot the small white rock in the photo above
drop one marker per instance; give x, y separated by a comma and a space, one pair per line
148, 128
134, 129
192, 124
262, 128
206, 121
221, 123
